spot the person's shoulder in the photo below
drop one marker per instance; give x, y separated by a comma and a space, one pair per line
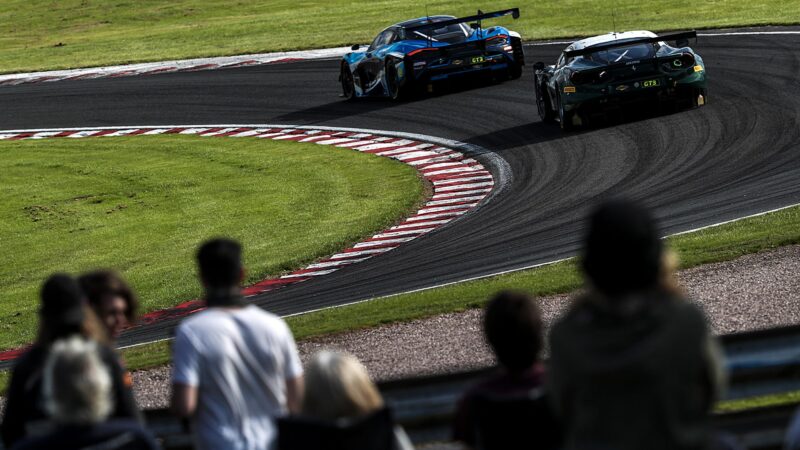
27, 364
123, 424
115, 427
110, 356
253, 312
33, 443
32, 356
199, 319
686, 312
502, 383
578, 313
676, 305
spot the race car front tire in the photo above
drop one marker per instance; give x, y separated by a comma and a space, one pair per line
543, 105
348, 84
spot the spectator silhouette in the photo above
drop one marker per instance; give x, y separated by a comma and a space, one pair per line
236, 366
509, 409
63, 313
342, 408
77, 393
633, 365
112, 300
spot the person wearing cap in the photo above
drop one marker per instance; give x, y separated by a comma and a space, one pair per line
63, 313
236, 367
632, 363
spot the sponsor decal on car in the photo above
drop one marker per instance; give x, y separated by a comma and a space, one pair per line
651, 83
569, 89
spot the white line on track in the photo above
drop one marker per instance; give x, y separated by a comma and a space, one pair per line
373, 251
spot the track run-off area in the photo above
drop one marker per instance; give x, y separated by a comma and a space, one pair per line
735, 157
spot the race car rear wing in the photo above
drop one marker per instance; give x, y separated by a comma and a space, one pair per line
514, 12
628, 42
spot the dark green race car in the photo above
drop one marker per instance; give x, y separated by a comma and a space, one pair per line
603, 73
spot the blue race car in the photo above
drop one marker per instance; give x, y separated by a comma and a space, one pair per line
423, 51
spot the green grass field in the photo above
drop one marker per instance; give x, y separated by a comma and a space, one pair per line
49, 34
141, 205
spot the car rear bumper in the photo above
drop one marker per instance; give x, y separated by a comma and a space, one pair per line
613, 97
498, 63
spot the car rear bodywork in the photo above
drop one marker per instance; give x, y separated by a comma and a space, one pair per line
584, 83
427, 50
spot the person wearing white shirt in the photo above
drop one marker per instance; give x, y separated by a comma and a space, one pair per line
236, 367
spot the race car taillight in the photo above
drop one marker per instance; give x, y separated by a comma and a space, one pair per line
420, 50
496, 41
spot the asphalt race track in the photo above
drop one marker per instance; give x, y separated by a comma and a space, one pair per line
736, 156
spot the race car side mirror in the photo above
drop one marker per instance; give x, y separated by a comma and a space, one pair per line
538, 66
355, 47
680, 43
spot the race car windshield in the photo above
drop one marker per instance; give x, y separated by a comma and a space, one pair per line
623, 54
450, 34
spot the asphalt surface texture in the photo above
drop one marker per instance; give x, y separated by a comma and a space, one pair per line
736, 156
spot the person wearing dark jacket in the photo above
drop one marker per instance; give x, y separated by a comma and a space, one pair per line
63, 313
513, 328
633, 364
76, 393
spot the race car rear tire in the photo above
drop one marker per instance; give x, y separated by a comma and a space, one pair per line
564, 117
396, 91
348, 84
543, 105
515, 71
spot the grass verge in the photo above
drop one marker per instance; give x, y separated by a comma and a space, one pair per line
141, 205
43, 35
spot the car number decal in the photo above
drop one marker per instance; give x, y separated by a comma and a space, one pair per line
477, 60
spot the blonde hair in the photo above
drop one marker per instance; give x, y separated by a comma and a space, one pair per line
77, 384
338, 386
